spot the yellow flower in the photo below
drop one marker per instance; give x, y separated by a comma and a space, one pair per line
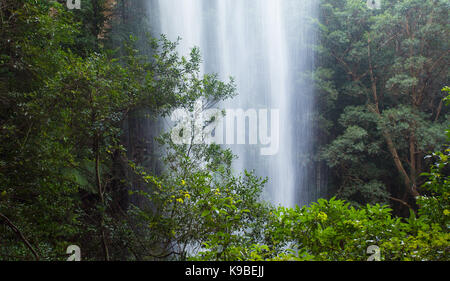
183, 182
446, 212
179, 200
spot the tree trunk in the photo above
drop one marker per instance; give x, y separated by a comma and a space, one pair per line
101, 196
410, 187
413, 172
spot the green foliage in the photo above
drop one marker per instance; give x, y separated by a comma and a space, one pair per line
195, 207
435, 207
332, 230
63, 108
348, 147
379, 78
38, 198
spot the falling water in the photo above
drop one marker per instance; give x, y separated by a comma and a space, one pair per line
265, 46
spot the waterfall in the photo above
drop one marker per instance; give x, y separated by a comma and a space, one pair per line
265, 46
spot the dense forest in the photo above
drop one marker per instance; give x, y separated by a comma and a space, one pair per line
76, 83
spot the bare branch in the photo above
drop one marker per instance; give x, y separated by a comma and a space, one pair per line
22, 237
